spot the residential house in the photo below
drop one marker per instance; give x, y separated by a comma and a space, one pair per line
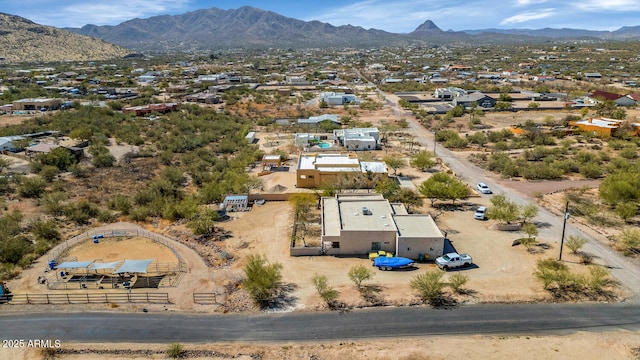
316, 169
358, 139
478, 98
7, 143
358, 224
620, 100
315, 120
603, 126
335, 98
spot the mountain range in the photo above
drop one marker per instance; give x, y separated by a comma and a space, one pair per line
247, 27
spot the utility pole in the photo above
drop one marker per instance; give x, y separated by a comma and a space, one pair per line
564, 226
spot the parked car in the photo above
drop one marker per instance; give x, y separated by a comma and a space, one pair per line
453, 260
483, 188
481, 213
390, 263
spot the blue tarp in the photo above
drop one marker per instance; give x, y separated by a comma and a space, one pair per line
394, 262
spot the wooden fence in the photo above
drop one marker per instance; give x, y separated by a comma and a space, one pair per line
85, 298
205, 298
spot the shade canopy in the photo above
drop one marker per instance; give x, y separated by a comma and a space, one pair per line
133, 266
100, 266
74, 265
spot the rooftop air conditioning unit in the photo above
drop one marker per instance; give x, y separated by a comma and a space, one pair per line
366, 211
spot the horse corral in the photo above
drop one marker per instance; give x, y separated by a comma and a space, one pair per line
114, 260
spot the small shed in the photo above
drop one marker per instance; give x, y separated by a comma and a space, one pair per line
251, 137
236, 203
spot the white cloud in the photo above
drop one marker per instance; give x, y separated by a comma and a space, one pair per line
521, 3
528, 16
609, 5
397, 16
101, 12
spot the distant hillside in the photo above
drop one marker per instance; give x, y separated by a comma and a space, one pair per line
245, 27
24, 40
248, 27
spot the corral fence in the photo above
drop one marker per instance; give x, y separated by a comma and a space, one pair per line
57, 253
84, 298
206, 298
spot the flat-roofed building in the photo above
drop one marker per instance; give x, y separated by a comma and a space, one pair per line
358, 138
37, 104
357, 224
315, 169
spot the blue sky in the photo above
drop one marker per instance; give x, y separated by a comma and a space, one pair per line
390, 15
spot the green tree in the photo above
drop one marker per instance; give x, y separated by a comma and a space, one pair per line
442, 186
422, 160
394, 162
410, 199
529, 212
429, 286
359, 274
389, 189
532, 231
263, 279
203, 223
503, 210
59, 157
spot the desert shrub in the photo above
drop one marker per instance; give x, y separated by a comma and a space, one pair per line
629, 241
13, 249
121, 203
139, 213
429, 286
45, 230
575, 243
328, 294
175, 351
32, 187
358, 274
591, 170
48, 172
457, 281
81, 212
263, 279
550, 272
626, 210
598, 278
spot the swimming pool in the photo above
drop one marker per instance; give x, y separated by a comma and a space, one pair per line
324, 145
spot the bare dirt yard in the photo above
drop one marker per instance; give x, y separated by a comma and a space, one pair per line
619, 345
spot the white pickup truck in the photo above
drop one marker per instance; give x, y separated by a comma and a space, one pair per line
453, 260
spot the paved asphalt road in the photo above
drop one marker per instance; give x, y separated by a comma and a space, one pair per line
141, 327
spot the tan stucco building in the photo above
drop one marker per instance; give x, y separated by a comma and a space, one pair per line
358, 224
315, 169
